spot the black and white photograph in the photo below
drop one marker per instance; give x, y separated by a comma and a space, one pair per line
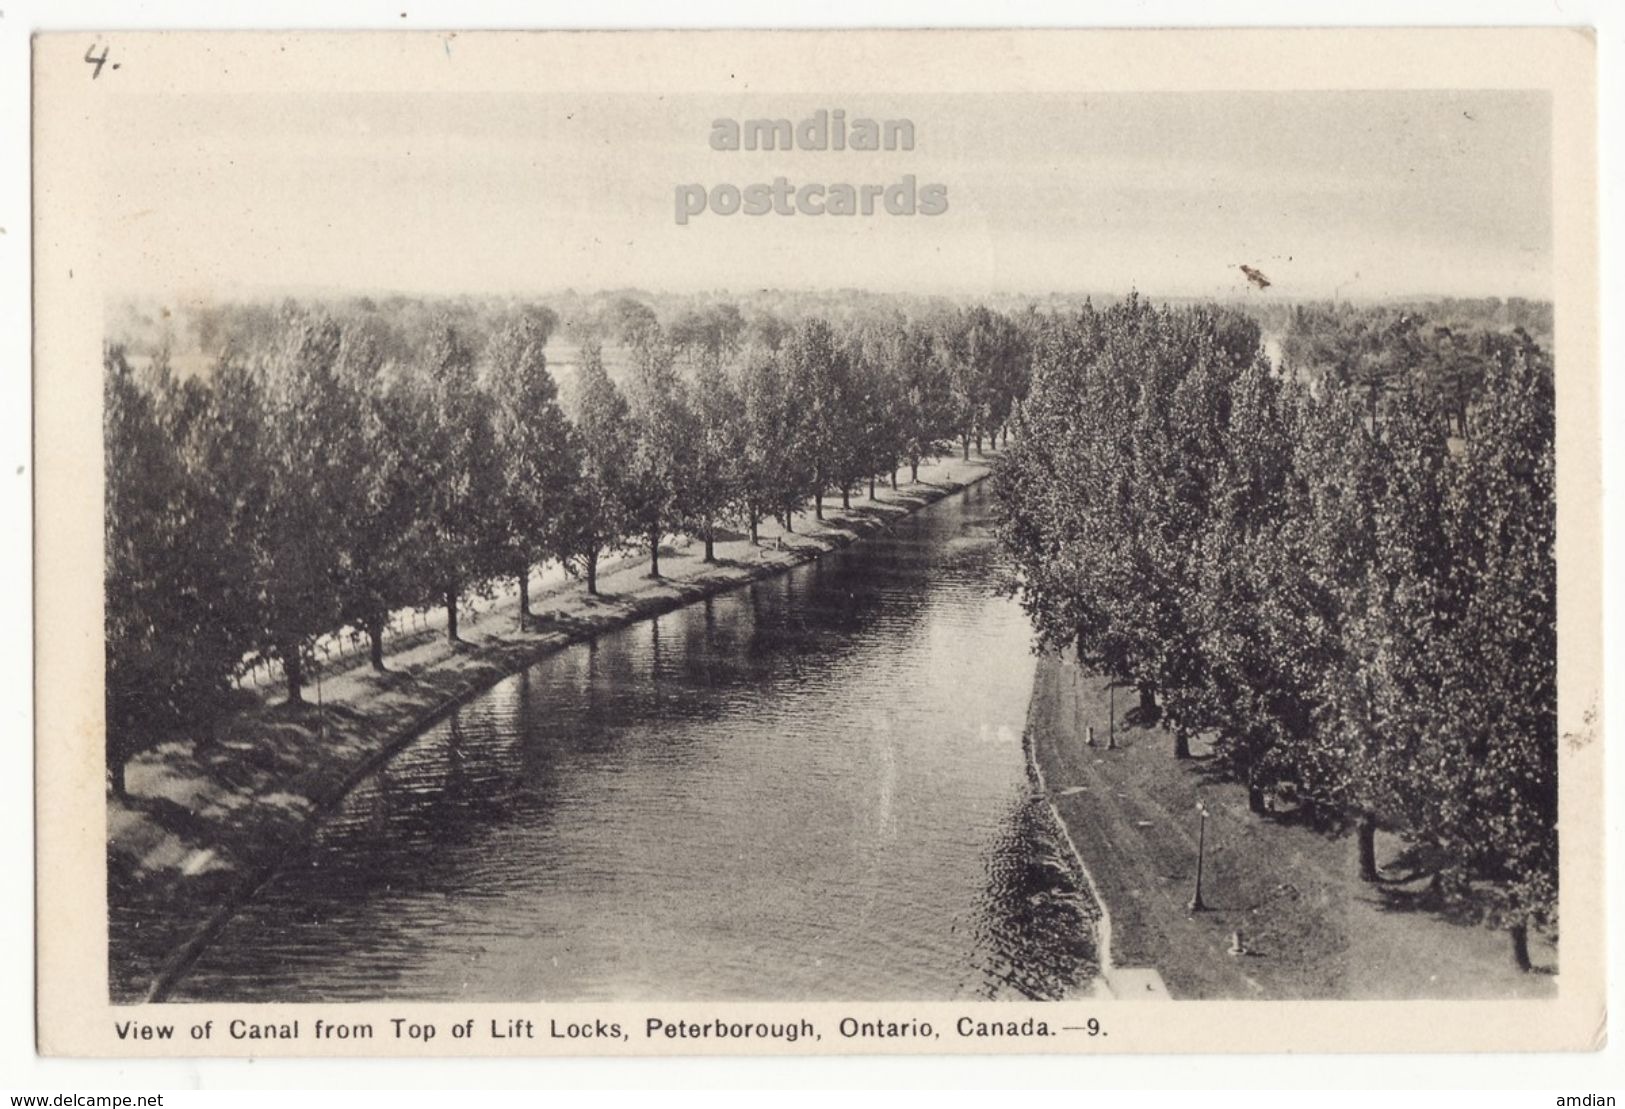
863, 562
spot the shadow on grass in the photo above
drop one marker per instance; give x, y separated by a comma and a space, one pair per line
1426, 892
1140, 717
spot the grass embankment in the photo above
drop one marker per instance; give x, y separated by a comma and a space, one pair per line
205, 822
1309, 927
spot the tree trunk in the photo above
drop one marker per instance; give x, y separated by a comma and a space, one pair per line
1148, 702
1367, 834
894, 479
117, 772
1255, 797
846, 496
1182, 745
964, 441
789, 518
871, 487
592, 574
978, 442
818, 502
710, 544
293, 668
753, 537
451, 614
524, 597
375, 643
1006, 441
914, 471
1520, 946
654, 554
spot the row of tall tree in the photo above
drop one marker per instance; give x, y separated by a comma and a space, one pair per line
1347, 581
329, 472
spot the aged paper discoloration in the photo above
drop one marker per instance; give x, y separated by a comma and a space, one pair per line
403, 150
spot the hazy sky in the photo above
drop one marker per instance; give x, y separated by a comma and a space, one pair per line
1366, 194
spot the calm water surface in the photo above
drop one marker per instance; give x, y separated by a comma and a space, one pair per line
813, 787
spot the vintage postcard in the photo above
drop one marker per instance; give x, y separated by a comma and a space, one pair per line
814, 542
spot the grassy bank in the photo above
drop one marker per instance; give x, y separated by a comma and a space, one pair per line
1308, 926
209, 816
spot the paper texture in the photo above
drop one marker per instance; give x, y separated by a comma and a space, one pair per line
633, 882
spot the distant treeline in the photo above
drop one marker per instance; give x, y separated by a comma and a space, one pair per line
1341, 570
331, 466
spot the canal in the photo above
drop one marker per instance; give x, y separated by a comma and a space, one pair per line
810, 788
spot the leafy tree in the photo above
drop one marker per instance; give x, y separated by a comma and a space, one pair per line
713, 487
307, 448
880, 415
1384, 705
961, 349
1327, 540
598, 514
1248, 684
708, 337
461, 474
634, 322
819, 380
926, 410
764, 332
175, 603
855, 418
381, 532
663, 463
1005, 368
1061, 491
1171, 457
1497, 809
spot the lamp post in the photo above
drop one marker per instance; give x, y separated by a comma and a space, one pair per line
1196, 905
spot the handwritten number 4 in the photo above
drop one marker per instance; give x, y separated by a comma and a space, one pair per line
97, 60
